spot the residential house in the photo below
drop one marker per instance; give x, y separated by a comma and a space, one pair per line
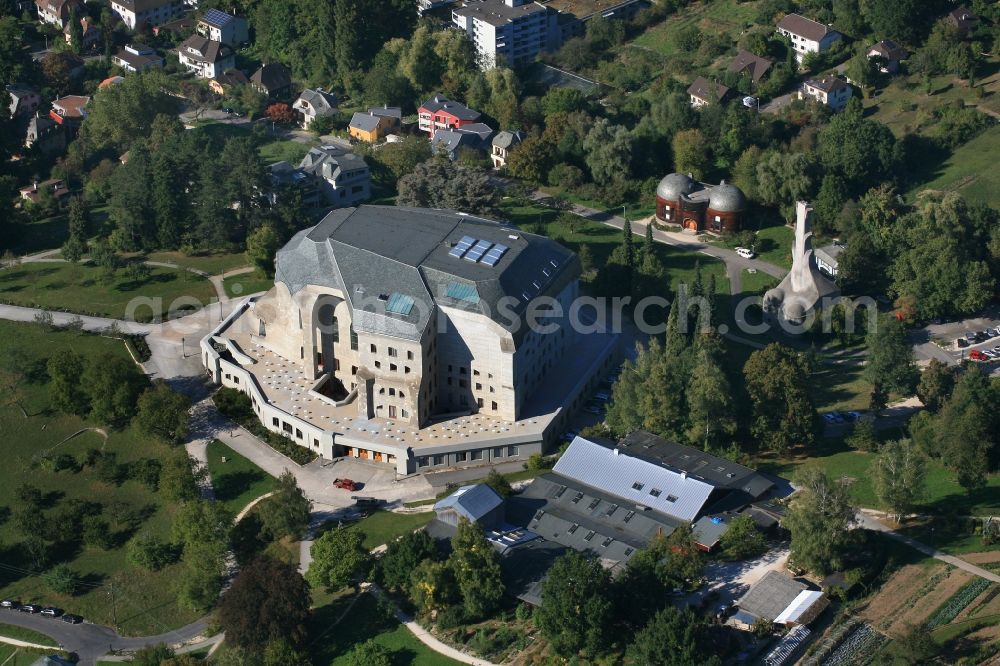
273, 79
23, 100
110, 81
439, 113
230, 78
375, 123
508, 32
91, 33
343, 177
609, 500
780, 599
45, 135
964, 20
827, 258
34, 192
219, 26
478, 504
750, 65
829, 90
137, 58
57, 12
134, 13
889, 53
471, 137
503, 143
807, 36
69, 112
204, 57
314, 103
704, 92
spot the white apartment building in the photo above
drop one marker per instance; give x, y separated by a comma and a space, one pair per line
807, 36
507, 32
136, 12
829, 91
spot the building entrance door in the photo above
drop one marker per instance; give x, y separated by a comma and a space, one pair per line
690, 224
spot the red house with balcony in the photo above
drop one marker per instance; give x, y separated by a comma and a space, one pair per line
440, 113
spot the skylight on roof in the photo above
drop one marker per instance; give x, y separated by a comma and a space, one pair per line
462, 292
477, 251
399, 304
495, 254
462, 247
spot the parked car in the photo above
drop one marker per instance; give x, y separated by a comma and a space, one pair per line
594, 409
50, 611
988, 333
989, 353
750, 101
745, 252
977, 355
962, 342
997, 330
345, 484
603, 396
29, 608
72, 619
828, 418
853, 416
366, 501
10, 603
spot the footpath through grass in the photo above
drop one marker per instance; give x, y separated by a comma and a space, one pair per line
81, 288
245, 284
331, 644
213, 263
26, 635
238, 481
144, 602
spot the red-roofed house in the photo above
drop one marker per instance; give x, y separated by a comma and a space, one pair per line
440, 113
55, 186
69, 111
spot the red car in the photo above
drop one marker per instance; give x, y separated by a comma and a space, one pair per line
977, 355
346, 484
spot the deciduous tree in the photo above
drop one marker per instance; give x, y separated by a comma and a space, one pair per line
819, 520
286, 512
477, 570
269, 600
164, 412
899, 476
576, 611
339, 558
783, 411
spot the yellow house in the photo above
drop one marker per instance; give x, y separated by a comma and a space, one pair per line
374, 124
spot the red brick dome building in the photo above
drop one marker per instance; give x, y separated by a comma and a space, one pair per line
680, 199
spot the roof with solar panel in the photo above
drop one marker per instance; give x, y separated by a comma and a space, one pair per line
397, 265
216, 17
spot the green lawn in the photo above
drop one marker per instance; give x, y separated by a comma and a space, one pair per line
385, 526
211, 263
26, 635
144, 601
840, 387
718, 17
80, 288
245, 284
288, 151
237, 482
15, 656
970, 170
757, 283
330, 644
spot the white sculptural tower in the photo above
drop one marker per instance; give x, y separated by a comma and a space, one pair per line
804, 285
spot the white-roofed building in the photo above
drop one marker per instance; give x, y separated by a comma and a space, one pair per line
781, 599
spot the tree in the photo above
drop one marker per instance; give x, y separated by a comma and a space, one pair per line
370, 653
433, 586
499, 483
199, 521
783, 411
859, 150
339, 558
269, 600
609, 153
402, 557
899, 476
164, 412
476, 565
76, 245
782, 178
124, 113
819, 520
62, 580
742, 540
66, 389
901, 20
263, 244
286, 512
280, 652
113, 385
531, 160
937, 381
711, 421
964, 431
576, 612
890, 364
152, 655
75, 29
691, 153
281, 114
149, 552
675, 637
439, 183
178, 482
202, 577
864, 437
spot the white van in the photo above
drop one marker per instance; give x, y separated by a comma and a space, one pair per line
746, 253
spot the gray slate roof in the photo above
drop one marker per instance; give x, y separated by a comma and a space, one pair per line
889, 50
387, 111
803, 27
331, 161
198, 48
827, 84
451, 140
272, 76
771, 595
371, 251
323, 103
497, 12
364, 121
473, 502
507, 139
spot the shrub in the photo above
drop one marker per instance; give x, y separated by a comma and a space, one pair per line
62, 580
149, 552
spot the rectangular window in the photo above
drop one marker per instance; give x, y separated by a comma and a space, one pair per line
655, 492
576, 498
479, 387
606, 542
590, 535
479, 402
637, 486
671, 498
354, 339
409, 356
611, 510
298, 434
573, 528
477, 454
287, 427
422, 461
392, 367
559, 493
628, 516
512, 451
463, 384
439, 460
392, 411
498, 452
274, 421
461, 456
392, 352
593, 504
494, 405
374, 349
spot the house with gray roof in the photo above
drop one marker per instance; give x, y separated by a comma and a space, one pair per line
342, 177
314, 103
827, 258
781, 599
441, 113
502, 144
807, 36
452, 142
477, 503
205, 58
272, 79
704, 92
24, 100
375, 123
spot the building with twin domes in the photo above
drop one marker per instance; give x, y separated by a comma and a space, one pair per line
698, 207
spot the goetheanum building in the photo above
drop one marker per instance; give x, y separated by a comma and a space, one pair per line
405, 336
680, 199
